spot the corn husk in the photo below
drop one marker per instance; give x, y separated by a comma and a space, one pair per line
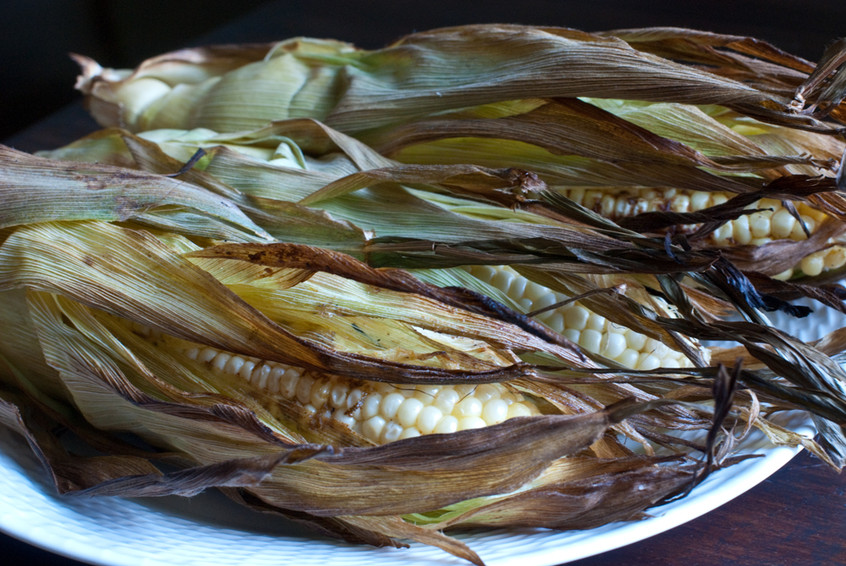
357, 90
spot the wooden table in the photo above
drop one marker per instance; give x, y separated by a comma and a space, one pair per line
796, 517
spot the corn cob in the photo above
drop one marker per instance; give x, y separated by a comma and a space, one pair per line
771, 221
379, 412
382, 412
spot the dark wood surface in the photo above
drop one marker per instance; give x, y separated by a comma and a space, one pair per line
796, 517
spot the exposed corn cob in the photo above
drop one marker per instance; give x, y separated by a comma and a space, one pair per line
590, 330
383, 412
772, 221
380, 412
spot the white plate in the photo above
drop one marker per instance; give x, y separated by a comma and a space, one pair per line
208, 530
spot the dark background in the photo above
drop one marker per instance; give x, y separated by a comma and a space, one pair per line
36, 35
794, 518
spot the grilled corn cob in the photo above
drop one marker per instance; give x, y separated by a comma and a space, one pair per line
771, 221
383, 412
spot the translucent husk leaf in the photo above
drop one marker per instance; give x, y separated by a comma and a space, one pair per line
583, 500
275, 194
706, 148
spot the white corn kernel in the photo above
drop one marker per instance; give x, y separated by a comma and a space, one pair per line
590, 340
338, 396
595, 322
447, 425
835, 258
572, 335
576, 317
343, 418
207, 355
495, 411
648, 361
680, 203
467, 423
410, 432
372, 428
722, 235
409, 411
700, 200
354, 400
487, 391
370, 407
260, 375
718, 198
784, 275
304, 389
233, 366
519, 410
319, 394
782, 223
468, 407
219, 362
446, 399
246, 370
759, 224
428, 419
629, 358
391, 432
391, 404
635, 340
740, 232
812, 265
613, 344
287, 382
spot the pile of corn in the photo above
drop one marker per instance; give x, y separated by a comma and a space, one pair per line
329, 277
